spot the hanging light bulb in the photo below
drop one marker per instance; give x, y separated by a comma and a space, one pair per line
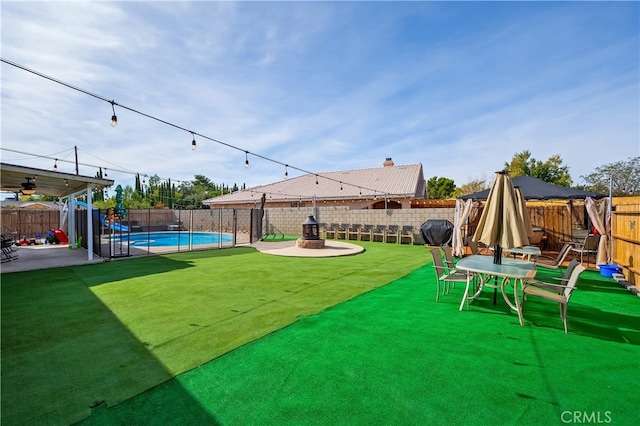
66, 182
340, 186
55, 166
105, 173
193, 142
246, 159
316, 181
114, 118
286, 172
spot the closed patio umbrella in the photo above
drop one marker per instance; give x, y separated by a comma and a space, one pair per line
500, 224
523, 212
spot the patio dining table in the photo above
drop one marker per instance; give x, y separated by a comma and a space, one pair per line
509, 272
526, 252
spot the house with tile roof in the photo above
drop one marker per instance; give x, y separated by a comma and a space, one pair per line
386, 187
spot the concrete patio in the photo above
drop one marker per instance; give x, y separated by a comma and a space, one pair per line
46, 256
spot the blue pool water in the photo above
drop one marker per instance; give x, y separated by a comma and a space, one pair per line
168, 239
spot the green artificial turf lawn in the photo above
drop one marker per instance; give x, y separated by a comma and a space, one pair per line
394, 356
77, 337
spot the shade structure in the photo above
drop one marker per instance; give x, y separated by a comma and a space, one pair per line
537, 189
500, 225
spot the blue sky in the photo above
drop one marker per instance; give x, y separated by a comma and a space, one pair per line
457, 86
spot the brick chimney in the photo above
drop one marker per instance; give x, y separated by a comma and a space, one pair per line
388, 162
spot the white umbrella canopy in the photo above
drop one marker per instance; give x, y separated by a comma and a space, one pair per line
500, 224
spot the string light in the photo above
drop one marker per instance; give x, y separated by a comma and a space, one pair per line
55, 166
286, 172
114, 118
340, 186
105, 173
66, 182
316, 181
246, 159
193, 142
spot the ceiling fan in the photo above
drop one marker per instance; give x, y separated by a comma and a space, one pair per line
28, 187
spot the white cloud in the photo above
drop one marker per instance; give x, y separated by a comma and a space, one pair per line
322, 86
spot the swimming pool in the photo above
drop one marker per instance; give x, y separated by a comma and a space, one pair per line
169, 239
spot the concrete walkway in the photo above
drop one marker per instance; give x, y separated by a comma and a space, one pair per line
46, 256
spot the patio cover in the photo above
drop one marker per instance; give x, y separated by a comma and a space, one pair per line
57, 184
537, 189
47, 182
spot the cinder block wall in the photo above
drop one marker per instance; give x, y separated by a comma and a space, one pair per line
288, 221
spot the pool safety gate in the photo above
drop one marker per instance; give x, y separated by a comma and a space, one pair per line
232, 226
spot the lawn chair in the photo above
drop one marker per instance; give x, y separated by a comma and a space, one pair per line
353, 231
557, 262
475, 249
448, 258
366, 233
560, 293
8, 252
542, 279
392, 233
330, 232
379, 232
406, 233
443, 275
341, 232
588, 246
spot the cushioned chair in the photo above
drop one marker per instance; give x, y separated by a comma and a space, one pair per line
341, 232
379, 232
406, 234
443, 275
366, 233
560, 293
392, 234
353, 231
331, 231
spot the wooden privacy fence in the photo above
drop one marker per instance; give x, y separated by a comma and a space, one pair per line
559, 220
625, 238
19, 223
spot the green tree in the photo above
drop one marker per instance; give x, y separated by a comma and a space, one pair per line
139, 188
470, 187
440, 188
193, 193
553, 170
624, 177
